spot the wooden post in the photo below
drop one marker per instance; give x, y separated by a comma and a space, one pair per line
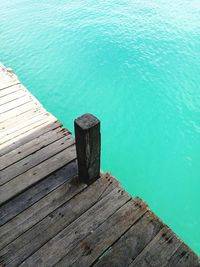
88, 146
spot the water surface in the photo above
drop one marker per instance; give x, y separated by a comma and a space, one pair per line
136, 65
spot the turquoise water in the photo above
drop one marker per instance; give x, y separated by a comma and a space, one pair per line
136, 65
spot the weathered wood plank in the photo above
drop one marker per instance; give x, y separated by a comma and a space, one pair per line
29, 217
13, 137
7, 84
31, 147
38, 235
14, 113
49, 254
34, 159
24, 124
184, 257
22, 133
15, 103
10, 90
90, 248
11, 97
130, 245
21, 118
33, 194
159, 251
30, 135
35, 174
22, 127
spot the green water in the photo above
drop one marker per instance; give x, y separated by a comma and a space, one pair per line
136, 65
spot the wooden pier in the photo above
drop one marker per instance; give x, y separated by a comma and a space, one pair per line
55, 212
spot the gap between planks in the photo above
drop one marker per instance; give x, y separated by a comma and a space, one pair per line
66, 200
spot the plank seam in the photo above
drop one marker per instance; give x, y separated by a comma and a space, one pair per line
57, 188
139, 218
10, 85
47, 127
42, 115
36, 126
76, 220
163, 226
32, 153
42, 146
95, 228
36, 108
29, 101
35, 167
70, 178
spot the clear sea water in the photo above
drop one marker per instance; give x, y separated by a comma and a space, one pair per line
134, 64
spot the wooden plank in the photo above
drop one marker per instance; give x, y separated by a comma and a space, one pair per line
22, 127
38, 235
27, 137
35, 158
31, 216
35, 174
10, 90
130, 245
21, 118
88, 145
159, 251
49, 254
31, 147
14, 113
15, 103
21, 133
7, 84
184, 257
24, 124
11, 97
90, 248
33, 194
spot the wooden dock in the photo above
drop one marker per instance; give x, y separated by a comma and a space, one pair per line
55, 212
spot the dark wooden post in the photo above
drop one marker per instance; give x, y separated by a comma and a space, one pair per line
88, 146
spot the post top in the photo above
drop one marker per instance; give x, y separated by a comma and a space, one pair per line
87, 121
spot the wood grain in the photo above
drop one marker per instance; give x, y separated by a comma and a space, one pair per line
90, 248
38, 235
23, 181
16, 112
28, 136
158, 252
10, 90
32, 146
49, 255
35, 158
130, 245
33, 194
38, 211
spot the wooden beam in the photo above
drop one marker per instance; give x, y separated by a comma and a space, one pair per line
88, 146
